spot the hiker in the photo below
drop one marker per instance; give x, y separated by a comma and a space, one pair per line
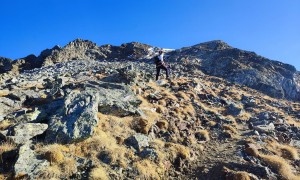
160, 64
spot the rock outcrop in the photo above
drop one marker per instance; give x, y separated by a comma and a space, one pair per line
28, 164
5, 64
217, 58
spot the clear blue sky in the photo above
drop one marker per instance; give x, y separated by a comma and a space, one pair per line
270, 28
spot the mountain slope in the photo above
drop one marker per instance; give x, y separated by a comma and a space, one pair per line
85, 119
214, 58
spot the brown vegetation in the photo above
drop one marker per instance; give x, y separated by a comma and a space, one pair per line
280, 166
5, 124
202, 135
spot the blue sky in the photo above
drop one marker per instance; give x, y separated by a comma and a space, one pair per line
270, 28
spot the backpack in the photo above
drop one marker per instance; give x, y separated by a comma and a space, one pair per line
156, 60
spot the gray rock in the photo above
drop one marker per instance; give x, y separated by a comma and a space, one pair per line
264, 116
28, 116
22, 133
149, 153
28, 163
76, 120
138, 141
117, 99
8, 106
295, 143
234, 110
273, 78
5, 64
248, 101
128, 74
265, 128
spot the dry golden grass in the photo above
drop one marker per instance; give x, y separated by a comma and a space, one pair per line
236, 175
183, 95
4, 92
6, 146
229, 128
211, 123
245, 116
280, 165
202, 135
288, 152
208, 109
189, 110
143, 124
192, 140
44, 96
102, 141
99, 76
54, 153
178, 150
229, 134
192, 94
68, 167
105, 140
168, 95
148, 169
292, 121
20, 176
252, 151
284, 151
160, 109
162, 102
231, 118
5, 124
154, 85
98, 173
182, 80
52, 172
54, 156
2, 177
162, 124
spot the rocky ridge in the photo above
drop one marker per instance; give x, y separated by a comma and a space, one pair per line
108, 119
214, 58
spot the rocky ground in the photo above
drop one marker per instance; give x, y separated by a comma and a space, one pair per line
108, 119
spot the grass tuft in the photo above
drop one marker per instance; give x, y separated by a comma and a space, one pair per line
202, 135
98, 173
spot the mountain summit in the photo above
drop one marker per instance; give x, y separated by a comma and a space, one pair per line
85, 111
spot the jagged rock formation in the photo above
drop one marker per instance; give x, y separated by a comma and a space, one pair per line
217, 58
5, 64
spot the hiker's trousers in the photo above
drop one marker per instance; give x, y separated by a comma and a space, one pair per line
164, 67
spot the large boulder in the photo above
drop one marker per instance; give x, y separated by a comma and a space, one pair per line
22, 133
28, 163
116, 99
76, 119
8, 105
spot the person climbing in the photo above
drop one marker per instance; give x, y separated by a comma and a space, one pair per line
160, 64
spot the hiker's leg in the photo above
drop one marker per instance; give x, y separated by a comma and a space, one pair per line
157, 72
164, 67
